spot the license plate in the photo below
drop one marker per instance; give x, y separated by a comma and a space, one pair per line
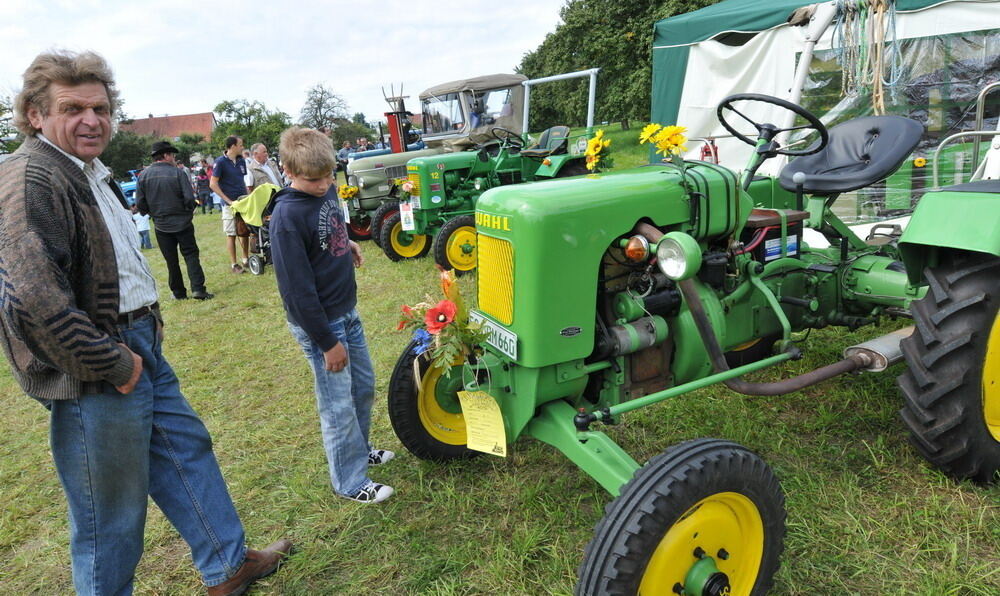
499, 338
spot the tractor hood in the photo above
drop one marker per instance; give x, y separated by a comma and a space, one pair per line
530, 235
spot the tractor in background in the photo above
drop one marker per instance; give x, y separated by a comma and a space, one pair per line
440, 213
455, 116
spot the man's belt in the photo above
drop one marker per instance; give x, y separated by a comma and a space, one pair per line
127, 318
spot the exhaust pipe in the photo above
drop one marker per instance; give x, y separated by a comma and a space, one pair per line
883, 351
864, 356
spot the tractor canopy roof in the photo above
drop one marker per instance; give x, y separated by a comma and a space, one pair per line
474, 84
739, 16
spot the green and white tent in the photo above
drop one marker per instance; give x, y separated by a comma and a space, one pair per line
943, 52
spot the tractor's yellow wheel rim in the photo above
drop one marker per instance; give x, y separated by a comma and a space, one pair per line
747, 345
461, 248
991, 382
727, 522
435, 390
405, 244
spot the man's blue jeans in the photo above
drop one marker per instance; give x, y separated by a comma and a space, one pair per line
344, 401
112, 450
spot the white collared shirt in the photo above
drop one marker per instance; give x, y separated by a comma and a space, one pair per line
136, 286
266, 166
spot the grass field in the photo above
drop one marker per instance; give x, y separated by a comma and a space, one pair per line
865, 514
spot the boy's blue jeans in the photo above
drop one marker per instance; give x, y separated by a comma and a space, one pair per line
344, 400
112, 451
144, 241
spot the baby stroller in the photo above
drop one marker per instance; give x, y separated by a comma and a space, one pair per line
255, 209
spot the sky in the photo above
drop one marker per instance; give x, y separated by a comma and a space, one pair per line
185, 57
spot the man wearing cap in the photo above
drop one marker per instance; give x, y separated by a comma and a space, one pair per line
164, 192
81, 328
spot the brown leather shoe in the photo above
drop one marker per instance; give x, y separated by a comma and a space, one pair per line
258, 564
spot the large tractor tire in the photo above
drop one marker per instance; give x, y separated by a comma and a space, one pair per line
382, 213
360, 227
703, 517
426, 414
455, 244
952, 384
398, 244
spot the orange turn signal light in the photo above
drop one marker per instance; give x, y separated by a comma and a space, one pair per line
637, 249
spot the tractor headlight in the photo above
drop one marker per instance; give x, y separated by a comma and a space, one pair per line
678, 256
361, 182
353, 181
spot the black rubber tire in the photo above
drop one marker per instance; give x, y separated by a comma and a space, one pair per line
942, 386
444, 236
388, 229
404, 415
661, 494
256, 264
759, 350
382, 213
360, 227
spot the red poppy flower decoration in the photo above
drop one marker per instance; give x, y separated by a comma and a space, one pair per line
440, 316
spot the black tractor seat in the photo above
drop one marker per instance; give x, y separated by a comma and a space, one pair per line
552, 142
860, 153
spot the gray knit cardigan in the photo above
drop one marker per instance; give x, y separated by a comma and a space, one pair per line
58, 278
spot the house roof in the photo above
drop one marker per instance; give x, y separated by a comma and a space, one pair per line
171, 127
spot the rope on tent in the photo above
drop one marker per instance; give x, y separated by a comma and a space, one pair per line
863, 29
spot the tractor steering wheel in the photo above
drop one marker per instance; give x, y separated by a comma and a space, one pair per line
507, 137
769, 131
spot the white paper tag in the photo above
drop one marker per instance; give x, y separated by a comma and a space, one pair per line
406, 216
347, 212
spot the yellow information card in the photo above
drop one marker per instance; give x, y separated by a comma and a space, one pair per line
483, 423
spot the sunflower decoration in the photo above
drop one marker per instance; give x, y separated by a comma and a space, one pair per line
347, 192
668, 140
443, 329
920, 162
595, 155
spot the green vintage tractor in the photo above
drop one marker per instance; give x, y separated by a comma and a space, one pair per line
605, 294
439, 214
445, 189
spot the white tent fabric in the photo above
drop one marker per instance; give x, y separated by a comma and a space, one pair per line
766, 64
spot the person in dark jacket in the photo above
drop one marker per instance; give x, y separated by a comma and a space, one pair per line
164, 192
314, 263
81, 328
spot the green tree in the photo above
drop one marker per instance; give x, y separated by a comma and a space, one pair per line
346, 130
251, 120
127, 151
191, 144
10, 139
323, 108
611, 35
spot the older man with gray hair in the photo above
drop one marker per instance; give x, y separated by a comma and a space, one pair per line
262, 169
81, 327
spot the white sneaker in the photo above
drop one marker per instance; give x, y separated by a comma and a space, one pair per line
377, 457
372, 492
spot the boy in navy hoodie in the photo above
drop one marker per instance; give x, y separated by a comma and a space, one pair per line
314, 263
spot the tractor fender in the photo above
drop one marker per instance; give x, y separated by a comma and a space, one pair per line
953, 220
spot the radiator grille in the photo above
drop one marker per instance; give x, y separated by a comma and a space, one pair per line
394, 172
415, 181
496, 278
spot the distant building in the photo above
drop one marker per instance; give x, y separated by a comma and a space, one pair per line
172, 127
